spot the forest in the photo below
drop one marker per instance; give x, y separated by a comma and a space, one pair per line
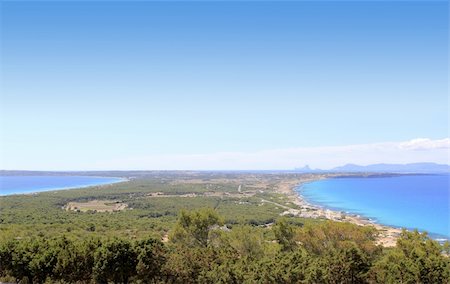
202, 250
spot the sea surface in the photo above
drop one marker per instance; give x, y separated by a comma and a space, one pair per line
412, 201
29, 184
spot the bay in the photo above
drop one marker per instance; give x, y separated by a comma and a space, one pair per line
30, 184
409, 201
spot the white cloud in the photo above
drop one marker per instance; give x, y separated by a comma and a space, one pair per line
426, 144
437, 151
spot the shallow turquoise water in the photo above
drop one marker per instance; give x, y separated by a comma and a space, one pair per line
28, 184
413, 202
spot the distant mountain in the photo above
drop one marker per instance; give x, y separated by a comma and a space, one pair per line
305, 169
424, 168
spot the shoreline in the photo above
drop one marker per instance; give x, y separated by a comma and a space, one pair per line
56, 189
387, 236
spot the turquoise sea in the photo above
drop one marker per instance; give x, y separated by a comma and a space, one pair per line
410, 201
29, 184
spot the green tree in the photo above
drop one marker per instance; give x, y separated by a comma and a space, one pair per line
346, 265
6, 254
43, 260
115, 261
415, 259
21, 256
75, 260
192, 228
322, 237
33, 260
247, 241
151, 257
284, 234
188, 264
286, 267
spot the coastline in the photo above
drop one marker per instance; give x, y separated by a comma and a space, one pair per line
56, 189
387, 236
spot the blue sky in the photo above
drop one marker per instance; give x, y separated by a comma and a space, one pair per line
104, 85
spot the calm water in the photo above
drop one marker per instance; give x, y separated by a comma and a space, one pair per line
420, 201
27, 184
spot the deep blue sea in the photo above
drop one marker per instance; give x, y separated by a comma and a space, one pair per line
413, 202
28, 184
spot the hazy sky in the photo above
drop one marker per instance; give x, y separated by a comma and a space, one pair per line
222, 85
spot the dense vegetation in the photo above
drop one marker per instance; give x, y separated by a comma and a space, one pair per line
200, 250
226, 237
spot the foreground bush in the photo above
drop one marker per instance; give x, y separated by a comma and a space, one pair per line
201, 250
